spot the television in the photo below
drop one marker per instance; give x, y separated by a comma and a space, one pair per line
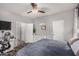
5, 25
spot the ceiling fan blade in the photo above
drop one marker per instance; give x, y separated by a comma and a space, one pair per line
41, 11
29, 12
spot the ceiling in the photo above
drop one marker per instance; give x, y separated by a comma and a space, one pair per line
20, 10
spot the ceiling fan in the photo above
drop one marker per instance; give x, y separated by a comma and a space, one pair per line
35, 9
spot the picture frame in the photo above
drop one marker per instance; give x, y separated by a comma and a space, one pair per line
43, 27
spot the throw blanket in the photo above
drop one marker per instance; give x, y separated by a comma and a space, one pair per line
46, 47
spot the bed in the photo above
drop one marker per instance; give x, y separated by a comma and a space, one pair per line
46, 47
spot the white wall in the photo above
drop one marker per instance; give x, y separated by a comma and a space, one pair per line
67, 16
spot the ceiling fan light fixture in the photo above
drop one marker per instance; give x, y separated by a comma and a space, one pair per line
34, 11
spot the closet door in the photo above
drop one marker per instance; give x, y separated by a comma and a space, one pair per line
58, 30
27, 32
18, 32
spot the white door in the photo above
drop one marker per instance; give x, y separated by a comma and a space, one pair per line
18, 32
58, 30
23, 31
27, 32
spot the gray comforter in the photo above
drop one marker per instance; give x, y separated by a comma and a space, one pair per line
46, 47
